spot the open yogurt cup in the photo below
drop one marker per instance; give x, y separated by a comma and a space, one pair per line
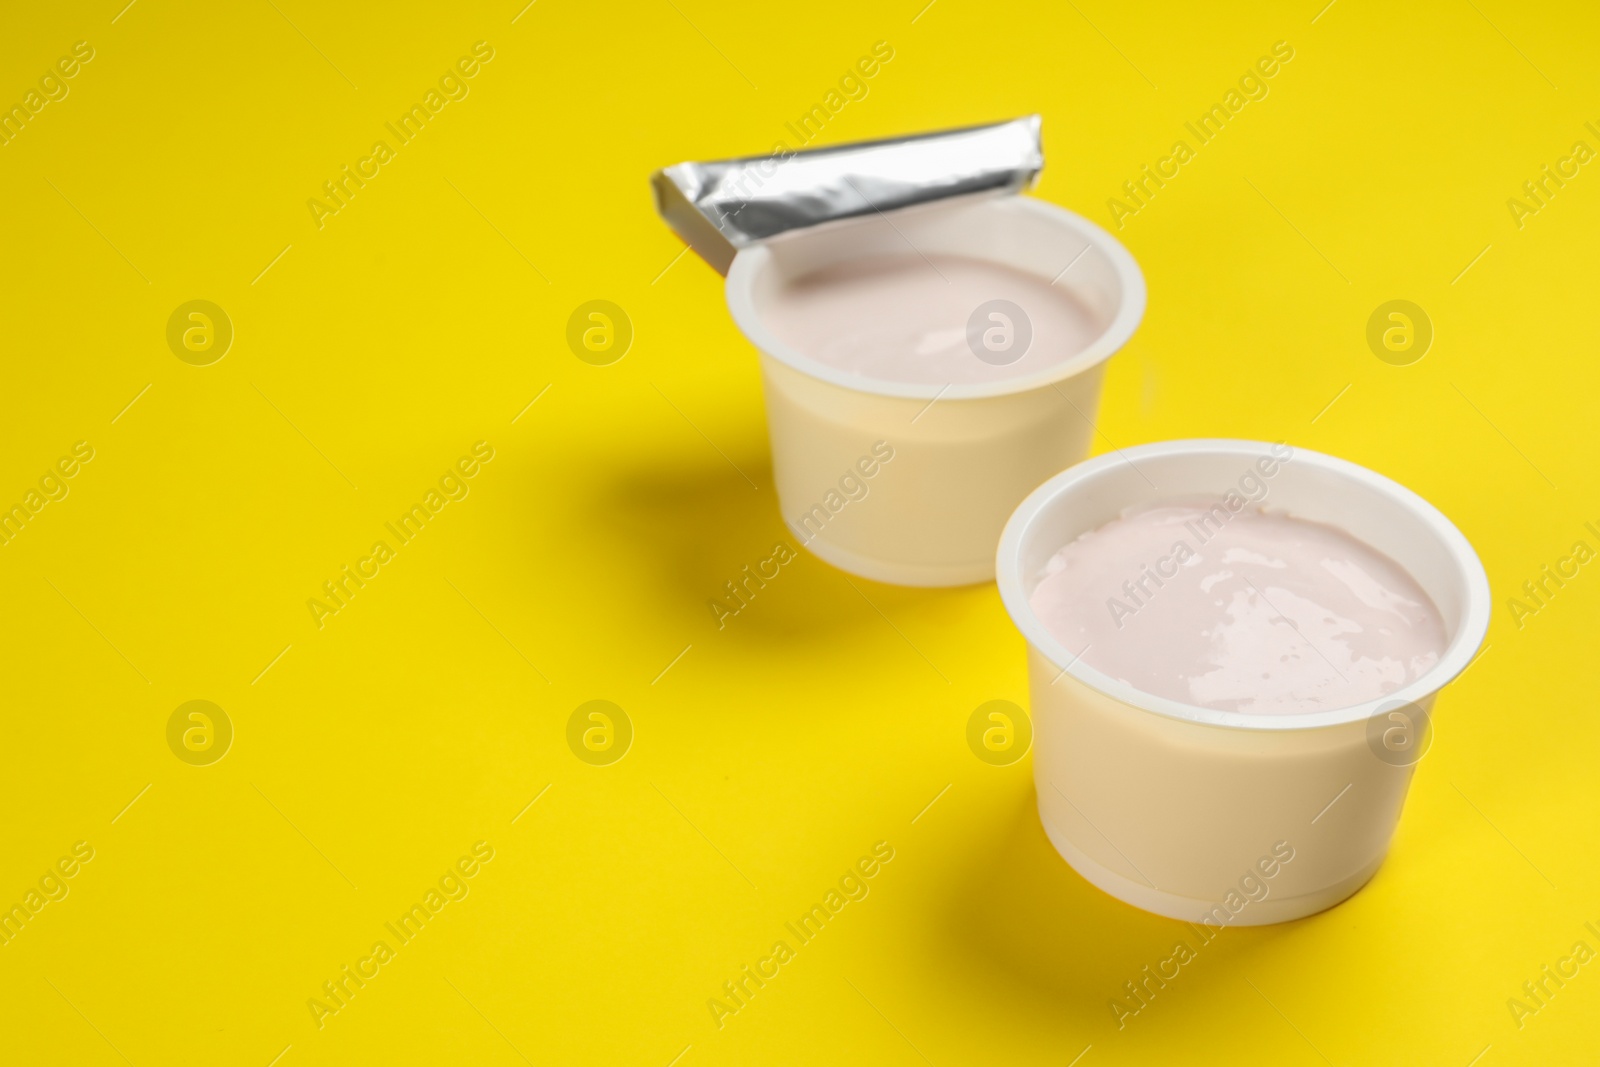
911, 483
1224, 817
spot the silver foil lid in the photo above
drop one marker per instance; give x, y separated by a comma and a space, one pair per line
723, 206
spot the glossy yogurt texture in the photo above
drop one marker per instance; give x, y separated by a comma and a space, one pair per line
905, 318
1247, 611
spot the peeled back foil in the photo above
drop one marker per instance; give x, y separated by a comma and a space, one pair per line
725, 205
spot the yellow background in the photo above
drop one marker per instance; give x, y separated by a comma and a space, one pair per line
427, 714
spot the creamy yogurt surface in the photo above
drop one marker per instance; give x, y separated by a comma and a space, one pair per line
905, 318
1248, 611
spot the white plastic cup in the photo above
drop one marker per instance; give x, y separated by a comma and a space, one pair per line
1182, 810
961, 456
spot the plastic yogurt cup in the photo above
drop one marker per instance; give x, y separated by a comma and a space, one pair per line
910, 482
1230, 817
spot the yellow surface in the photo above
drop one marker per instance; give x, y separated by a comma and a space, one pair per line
371, 753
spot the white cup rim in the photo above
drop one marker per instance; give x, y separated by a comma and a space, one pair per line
752, 262
1457, 656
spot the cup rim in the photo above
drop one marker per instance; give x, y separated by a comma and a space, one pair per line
750, 263
1458, 654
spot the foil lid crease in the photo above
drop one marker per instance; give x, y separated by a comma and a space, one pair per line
722, 206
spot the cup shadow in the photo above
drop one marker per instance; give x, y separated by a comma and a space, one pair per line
1035, 928
684, 521
1025, 913
688, 529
